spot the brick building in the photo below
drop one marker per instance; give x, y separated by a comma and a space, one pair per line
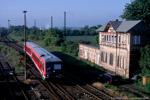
119, 46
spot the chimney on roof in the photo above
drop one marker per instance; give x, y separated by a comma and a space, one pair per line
116, 20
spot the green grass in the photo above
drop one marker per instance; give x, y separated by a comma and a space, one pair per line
74, 38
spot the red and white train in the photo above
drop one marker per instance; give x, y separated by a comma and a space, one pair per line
48, 64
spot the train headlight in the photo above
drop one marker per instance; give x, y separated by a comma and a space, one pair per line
48, 69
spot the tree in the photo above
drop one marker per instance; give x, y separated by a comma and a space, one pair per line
72, 47
145, 61
96, 40
137, 10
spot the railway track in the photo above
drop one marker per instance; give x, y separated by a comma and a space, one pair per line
99, 94
15, 90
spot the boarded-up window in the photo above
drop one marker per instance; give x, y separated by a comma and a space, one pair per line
111, 59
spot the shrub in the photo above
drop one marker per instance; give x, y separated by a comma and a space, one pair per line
54, 41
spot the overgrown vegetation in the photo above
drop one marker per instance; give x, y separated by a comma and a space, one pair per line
12, 57
145, 61
145, 66
72, 48
146, 87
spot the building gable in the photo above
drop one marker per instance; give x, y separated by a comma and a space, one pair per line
112, 25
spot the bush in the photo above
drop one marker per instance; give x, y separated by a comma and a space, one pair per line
145, 61
54, 41
146, 87
72, 48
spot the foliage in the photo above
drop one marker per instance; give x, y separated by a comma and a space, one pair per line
53, 37
12, 56
85, 38
72, 48
137, 10
145, 61
17, 30
140, 85
83, 31
3, 31
54, 41
54, 32
96, 40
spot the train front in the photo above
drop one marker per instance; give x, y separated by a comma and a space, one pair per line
53, 67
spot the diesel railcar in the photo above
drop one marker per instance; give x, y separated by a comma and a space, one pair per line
47, 64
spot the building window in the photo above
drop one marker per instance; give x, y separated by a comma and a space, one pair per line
136, 39
111, 59
109, 38
102, 38
119, 40
106, 57
118, 61
102, 56
112, 39
105, 38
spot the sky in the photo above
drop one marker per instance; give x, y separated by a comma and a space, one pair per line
79, 12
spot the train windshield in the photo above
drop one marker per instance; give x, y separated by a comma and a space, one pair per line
57, 66
53, 66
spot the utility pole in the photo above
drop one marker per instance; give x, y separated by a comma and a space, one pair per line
9, 30
51, 22
25, 42
65, 25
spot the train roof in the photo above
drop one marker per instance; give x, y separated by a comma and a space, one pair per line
46, 55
